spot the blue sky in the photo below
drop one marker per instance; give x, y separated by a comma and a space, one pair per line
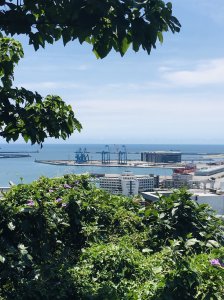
175, 95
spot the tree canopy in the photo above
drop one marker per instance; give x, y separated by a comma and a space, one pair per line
105, 24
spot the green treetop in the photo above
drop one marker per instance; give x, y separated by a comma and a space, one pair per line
105, 24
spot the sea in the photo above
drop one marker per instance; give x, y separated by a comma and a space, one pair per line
26, 170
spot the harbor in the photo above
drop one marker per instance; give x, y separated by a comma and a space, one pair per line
120, 157
98, 163
56, 160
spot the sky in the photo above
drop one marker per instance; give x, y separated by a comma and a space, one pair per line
173, 96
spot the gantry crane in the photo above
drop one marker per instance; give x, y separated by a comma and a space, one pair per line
106, 155
81, 156
122, 156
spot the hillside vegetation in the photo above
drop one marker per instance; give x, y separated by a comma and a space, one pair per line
65, 239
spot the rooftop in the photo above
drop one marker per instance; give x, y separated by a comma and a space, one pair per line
163, 152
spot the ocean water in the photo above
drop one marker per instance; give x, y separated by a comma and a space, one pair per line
26, 169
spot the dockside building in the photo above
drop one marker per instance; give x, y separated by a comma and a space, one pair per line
161, 156
128, 184
181, 181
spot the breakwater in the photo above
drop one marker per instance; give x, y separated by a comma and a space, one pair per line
98, 163
16, 154
13, 155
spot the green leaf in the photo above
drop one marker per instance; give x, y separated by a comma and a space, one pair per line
212, 243
191, 242
11, 226
22, 249
160, 36
169, 5
146, 250
66, 36
157, 270
162, 215
124, 45
174, 211
2, 259
96, 53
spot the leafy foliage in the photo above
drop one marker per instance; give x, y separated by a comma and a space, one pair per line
11, 52
27, 113
180, 218
63, 238
106, 24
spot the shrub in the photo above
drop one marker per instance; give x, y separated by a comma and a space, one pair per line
63, 238
178, 217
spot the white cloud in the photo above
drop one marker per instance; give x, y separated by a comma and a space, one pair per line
168, 77
158, 116
155, 109
84, 90
205, 73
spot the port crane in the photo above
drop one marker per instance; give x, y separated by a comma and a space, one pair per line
122, 156
81, 156
106, 155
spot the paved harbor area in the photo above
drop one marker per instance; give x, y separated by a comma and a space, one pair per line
219, 177
97, 163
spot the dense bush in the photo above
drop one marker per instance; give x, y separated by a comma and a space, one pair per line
178, 217
63, 238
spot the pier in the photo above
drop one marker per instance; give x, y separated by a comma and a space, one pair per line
6, 152
13, 155
98, 163
16, 154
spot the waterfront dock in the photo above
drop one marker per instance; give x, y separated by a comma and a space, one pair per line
13, 155
16, 154
98, 163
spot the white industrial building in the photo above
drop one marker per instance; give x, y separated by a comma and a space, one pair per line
209, 171
127, 183
180, 180
214, 200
